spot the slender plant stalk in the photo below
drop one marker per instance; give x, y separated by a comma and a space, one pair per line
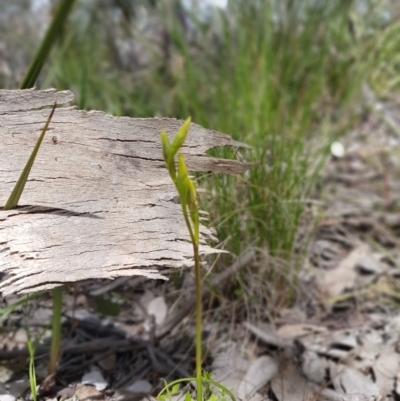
188, 197
199, 312
43, 51
199, 378
56, 329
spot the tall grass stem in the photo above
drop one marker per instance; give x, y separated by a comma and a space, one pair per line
62, 12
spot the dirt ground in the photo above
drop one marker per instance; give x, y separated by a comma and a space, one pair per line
339, 341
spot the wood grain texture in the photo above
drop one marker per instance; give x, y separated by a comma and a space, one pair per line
99, 201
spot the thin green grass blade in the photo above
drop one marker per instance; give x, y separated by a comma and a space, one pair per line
32, 370
13, 200
43, 52
31, 349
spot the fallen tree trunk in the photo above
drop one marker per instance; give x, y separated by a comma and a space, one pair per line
99, 202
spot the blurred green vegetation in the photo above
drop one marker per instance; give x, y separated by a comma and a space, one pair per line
285, 77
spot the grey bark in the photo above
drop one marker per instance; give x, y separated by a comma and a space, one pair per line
99, 201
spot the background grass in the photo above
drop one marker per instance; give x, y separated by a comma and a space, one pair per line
284, 77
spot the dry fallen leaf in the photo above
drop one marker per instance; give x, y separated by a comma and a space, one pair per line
343, 277
229, 365
299, 330
313, 367
139, 386
385, 370
291, 385
96, 379
260, 372
157, 307
351, 381
88, 393
327, 394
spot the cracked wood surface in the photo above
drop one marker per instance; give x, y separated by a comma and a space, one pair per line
98, 202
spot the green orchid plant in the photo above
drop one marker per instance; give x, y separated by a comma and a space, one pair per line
188, 196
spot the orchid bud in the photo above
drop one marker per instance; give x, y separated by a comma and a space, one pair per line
180, 136
168, 156
166, 145
181, 179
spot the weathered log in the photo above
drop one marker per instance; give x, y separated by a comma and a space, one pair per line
98, 202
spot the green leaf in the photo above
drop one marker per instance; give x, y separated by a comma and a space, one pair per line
182, 180
13, 200
207, 375
175, 389
192, 195
166, 146
168, 155
193, 208
180, 136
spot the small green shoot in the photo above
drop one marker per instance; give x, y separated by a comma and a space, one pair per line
168, 391
31, 345
31, 350
173, 388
